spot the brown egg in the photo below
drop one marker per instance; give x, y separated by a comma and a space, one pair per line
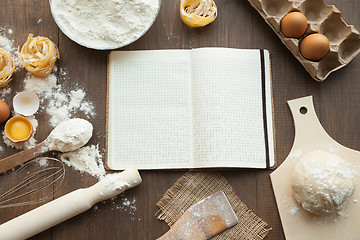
4, 111
314, 47
293, 25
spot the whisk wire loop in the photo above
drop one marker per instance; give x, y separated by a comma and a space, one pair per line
35, 182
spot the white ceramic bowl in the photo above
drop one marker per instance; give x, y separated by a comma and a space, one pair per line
84, 43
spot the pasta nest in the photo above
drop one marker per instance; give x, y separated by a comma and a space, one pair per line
7, 67
38, 55
197, 13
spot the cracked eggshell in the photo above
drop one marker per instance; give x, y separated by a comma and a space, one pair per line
26, 103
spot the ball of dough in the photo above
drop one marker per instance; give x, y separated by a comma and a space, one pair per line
322, 182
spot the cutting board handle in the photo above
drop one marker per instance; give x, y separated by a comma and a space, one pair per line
308, 128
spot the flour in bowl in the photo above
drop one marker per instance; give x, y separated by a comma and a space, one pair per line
104, 24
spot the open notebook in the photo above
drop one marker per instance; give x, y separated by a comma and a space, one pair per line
199, 108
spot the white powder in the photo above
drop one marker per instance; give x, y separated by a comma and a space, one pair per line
61, 105
104, 23
125, 204
4, 91
86, 159
43, 162
342, 214
122, 203
294, 211
42, 86
8, 44
70, 135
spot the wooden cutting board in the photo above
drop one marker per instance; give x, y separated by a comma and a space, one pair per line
298, 224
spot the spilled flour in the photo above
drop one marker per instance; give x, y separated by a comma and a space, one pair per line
58, 104
121, 203
125, 204
8, 44
61, 105
5, 91
86, 159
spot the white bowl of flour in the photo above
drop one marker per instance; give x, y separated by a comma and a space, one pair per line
104, 24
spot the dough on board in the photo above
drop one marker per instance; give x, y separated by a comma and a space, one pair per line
322, 182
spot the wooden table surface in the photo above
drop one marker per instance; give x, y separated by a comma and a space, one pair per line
238, 25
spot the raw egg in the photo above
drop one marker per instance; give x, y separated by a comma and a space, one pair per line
18, 129
314, 47
293, 25
26, 103
4, 111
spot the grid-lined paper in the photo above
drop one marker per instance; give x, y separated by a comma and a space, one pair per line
149, 114
187, 109
227, 109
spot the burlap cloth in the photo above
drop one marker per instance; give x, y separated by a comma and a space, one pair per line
195, 186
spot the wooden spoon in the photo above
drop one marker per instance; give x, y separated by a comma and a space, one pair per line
53, 142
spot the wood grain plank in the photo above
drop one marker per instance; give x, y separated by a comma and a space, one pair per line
238, 25
23, 18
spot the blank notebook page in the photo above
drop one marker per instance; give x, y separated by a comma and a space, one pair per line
149, 110
228, 108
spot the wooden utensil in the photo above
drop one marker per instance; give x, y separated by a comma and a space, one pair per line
299, 224
22, 157
69, 205
203, 220
46, 146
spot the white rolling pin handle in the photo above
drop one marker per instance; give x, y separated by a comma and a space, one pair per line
65, 207
46, 216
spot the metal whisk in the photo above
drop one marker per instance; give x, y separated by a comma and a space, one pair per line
39, 181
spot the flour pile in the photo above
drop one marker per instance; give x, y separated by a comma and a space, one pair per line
61, 105
4, 91
104, 23
70, 135
86, 160
58, 104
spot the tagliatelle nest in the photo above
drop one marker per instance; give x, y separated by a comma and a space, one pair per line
197, 13
7, 67
38, 55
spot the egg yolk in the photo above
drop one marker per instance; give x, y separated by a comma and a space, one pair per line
20, 130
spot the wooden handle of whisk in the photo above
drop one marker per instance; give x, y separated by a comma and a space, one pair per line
21, 157
68, 206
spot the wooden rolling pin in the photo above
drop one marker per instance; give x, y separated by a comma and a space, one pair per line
68, 206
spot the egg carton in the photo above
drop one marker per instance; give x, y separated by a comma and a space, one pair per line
322, 18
